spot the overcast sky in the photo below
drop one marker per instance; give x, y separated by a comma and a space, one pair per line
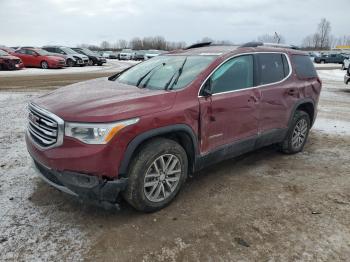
71, 22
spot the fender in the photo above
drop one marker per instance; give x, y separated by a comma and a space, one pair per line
123, 169
297, 104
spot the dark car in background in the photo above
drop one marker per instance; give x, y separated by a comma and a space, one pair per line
140, 55
9, 62
94, 58
330, 58
73, 58
37, 57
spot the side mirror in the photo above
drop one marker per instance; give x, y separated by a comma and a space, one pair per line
207, 88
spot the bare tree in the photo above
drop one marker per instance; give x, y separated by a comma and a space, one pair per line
105, 45
323, 34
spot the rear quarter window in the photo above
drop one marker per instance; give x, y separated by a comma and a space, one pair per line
304, 67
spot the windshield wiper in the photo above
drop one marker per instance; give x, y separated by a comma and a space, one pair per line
179, 72
145, 75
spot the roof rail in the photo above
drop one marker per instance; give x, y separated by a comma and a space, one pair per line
198, 45
256, 44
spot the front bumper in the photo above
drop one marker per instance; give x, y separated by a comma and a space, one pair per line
88, 188
346, 79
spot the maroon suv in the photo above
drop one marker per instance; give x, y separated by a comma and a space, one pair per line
142, 131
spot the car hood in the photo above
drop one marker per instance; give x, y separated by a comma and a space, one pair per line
101, 100
81, 56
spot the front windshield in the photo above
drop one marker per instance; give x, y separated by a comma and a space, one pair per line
67, 50
43, 52
166, 72
3, 53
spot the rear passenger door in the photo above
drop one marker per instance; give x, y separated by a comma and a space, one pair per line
278, 92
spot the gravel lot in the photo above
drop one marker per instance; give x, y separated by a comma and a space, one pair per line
263, 206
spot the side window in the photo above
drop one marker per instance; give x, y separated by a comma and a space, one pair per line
21, 51
30, 52
304, 66
235, 74
271, 68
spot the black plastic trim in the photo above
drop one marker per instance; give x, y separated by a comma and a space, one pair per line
123, 169
299, 103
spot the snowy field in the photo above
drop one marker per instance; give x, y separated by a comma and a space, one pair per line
38, 223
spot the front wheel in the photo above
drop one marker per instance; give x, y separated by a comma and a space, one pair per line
297, 133
70, 63
156, 175
90, 63
44, 65
322, 61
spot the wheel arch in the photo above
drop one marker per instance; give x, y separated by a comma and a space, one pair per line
181, 133
306, 105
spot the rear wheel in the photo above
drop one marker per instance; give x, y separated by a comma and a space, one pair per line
297, 133
44, 65
156, 174
70, 63
322, 61
90, 63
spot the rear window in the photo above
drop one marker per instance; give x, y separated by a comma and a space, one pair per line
272, 68
304, 66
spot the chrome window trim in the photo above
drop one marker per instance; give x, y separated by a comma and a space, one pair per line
60, 127
253, 87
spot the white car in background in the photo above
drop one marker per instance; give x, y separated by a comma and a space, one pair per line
346, 64
127, 54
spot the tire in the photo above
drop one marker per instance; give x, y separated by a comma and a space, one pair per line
90, 63
322, 61
44, 65
70, 63
162, 186
343, 67
297, 133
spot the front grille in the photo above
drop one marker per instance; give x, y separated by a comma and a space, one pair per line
44, 127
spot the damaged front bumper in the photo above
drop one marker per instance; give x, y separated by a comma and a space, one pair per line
93, 189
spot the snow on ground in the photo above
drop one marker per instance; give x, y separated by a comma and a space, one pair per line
28, 232
334, 75
36, 228
110, 66
327, 65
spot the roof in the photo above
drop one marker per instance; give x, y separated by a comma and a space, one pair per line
222, 50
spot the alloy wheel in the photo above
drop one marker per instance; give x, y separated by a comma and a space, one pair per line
299, 133
162, 177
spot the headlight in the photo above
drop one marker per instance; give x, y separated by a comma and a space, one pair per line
91, 133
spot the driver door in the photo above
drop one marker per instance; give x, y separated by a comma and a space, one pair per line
230, 114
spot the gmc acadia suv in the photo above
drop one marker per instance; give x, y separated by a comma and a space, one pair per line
139, 133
